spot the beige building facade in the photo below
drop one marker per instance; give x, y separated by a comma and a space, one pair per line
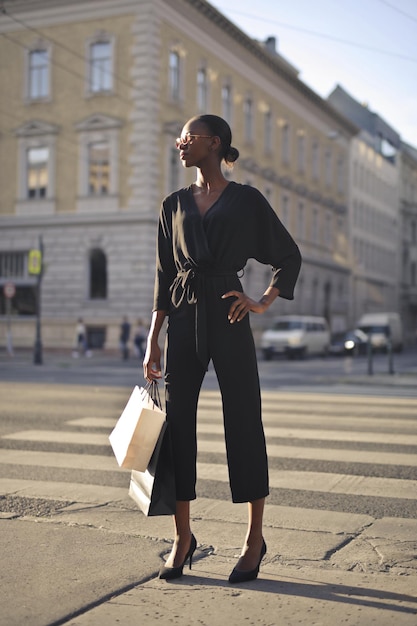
96, 94
374, 229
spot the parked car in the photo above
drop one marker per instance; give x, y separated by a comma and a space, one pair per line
296, 336
349, 342
381, 328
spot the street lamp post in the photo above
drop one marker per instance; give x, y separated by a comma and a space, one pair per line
37, 349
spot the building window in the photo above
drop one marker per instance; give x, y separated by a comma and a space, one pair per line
315, 225
174, 75
413, 231
36, 168
100, 67
328, 168
301, 154
340, 175
227, 103
98, 168
328, 230
174, 169
315, 161
285, 211
37, 172
98, 275
301, 221
285, 143
248, 119
13, 267
38, 74
202, 91
268, 139
98, 173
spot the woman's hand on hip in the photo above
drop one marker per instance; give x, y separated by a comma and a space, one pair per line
242, 305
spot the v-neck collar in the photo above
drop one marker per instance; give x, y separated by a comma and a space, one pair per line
203, 215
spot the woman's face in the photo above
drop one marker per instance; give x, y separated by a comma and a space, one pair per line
195, 144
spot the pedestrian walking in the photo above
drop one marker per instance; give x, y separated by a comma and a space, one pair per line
207, 233
124, 338
81, 345
139, 338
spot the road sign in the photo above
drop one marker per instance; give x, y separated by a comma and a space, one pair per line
9, 290
35, 262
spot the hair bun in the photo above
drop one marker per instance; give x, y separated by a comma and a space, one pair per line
232, 155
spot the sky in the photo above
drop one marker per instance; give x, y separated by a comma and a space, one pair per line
369, 47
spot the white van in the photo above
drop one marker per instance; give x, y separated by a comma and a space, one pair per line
380, 327
296, 336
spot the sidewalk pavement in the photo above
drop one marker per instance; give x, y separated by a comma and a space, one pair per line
96, 565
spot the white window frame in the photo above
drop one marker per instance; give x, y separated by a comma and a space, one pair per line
95, 129
175, 90
90, 147
99, 38
202, 89
32, 169
38, 46
35, 135
227, 103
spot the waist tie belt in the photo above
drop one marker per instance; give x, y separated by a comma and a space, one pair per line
190, 286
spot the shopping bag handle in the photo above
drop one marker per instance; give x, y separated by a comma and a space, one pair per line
153, 390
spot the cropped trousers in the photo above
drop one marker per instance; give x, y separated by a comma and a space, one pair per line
232, 351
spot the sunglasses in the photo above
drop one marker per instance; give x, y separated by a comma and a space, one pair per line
188, 138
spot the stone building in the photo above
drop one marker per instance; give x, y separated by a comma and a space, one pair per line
375, 216
94, 93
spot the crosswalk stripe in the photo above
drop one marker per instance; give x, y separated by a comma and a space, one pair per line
324, 482
276, 515
323, 454
108, 463
61, 459
298, 421
279, 479
99, 439
92, 494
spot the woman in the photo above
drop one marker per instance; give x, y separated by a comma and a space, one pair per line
207, 232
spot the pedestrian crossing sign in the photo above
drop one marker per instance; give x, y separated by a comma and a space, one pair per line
35, 262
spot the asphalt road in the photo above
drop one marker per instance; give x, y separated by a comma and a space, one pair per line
331, 374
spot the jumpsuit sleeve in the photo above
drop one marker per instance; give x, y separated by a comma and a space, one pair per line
165, 264
276, 247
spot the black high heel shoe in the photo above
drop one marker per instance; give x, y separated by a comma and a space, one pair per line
169, 573
242, 576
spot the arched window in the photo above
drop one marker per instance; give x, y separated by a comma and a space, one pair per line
98, 274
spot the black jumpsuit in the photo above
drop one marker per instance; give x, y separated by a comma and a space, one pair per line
198, 259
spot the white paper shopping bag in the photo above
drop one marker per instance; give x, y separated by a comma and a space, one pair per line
136, 433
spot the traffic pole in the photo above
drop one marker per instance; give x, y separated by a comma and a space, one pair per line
37, 349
